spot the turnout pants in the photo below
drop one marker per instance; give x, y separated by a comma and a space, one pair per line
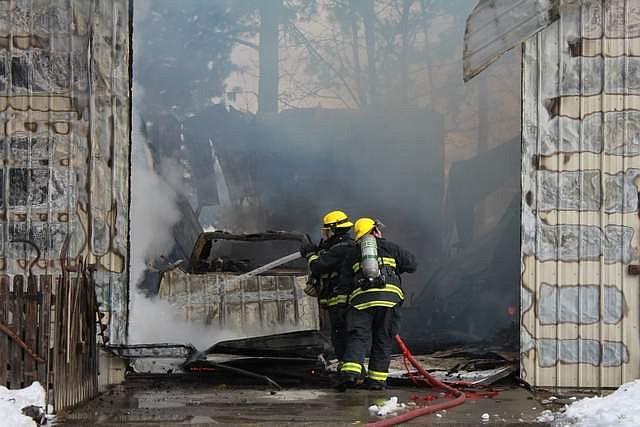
337, 317
370, 331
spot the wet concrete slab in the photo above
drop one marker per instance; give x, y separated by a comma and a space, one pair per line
164, 401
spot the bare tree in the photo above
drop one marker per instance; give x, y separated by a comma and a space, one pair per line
355, 51
270, 13
369, 18
404, 52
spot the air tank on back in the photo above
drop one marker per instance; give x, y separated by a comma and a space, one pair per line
369, 251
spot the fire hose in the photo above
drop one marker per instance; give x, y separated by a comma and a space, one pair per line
430, 380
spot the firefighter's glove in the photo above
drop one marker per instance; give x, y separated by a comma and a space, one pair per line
307, 249
311, 289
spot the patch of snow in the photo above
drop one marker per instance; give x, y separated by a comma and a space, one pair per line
12, 402
546, 417
388, 407
621, 408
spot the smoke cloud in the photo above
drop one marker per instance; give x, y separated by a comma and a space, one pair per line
153, 211
153, 214
363, 109
156, 321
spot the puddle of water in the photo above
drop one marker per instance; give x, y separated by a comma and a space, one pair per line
296, 395
201, 420
149, 403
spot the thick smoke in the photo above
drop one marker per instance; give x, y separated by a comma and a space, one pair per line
153, 214
362, 110
153, 210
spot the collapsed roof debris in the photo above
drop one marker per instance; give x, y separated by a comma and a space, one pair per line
494, 27
470, 365
293, 358
153, 358
301, 357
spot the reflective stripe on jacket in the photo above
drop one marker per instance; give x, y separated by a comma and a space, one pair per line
393, 261
387, 296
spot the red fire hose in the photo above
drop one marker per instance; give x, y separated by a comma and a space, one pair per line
459, 400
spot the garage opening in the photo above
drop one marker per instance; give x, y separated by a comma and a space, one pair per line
256, 116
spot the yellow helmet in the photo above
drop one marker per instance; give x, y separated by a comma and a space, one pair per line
337, 219
364, 226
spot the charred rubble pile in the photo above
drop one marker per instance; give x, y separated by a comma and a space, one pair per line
302, 359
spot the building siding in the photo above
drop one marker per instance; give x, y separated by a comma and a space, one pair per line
580, 308
64, 144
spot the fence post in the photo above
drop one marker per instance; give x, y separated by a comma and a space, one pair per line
30, 330
44, 332
16, 303
4, 319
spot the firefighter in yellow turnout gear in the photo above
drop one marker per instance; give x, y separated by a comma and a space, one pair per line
325, 263
371, 274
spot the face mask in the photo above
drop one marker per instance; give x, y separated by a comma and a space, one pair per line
326, 233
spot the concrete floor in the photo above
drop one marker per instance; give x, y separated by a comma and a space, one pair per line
176, 401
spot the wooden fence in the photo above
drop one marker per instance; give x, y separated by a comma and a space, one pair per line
47, 334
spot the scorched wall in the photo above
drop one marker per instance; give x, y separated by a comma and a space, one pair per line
580, 196
64, 144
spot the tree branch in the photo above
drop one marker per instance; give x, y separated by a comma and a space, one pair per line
245, 43
317, 54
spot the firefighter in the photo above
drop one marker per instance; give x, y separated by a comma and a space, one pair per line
325, 262
372, 272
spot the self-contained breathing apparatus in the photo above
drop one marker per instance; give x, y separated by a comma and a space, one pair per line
372, 275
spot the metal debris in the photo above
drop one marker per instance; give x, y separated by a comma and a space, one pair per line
496, 26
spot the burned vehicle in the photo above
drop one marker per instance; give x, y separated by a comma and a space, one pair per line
228, 292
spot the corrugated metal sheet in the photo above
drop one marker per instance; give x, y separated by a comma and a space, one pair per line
496, 26
64, 78
580, 324
257, 305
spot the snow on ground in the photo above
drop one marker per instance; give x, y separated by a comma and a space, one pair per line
12, 402
387, 407
621, 409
